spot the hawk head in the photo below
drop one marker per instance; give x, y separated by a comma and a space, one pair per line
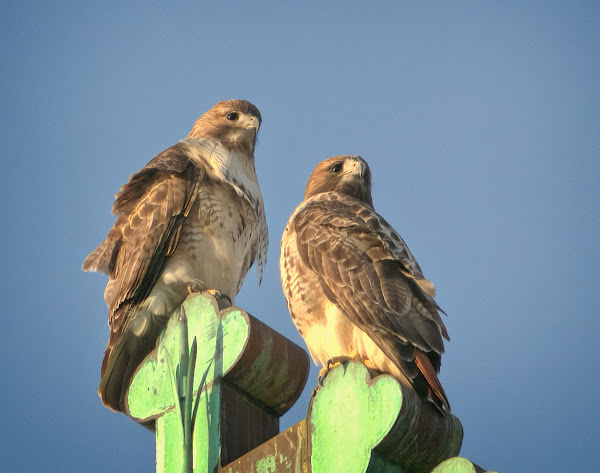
348, 175
234, 123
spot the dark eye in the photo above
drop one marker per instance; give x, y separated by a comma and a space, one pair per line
233, 116
337, 167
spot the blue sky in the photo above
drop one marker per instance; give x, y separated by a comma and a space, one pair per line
480, 121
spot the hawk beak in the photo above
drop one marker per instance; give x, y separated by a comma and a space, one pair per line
358, 166
250, 121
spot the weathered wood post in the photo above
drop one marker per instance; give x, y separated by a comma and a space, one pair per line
247, 375
214, 388
356, 424
386, 424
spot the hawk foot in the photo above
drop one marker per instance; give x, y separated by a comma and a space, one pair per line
338, 360
223, 300
331, 363
195, 286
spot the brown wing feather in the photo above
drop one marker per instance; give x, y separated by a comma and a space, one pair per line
436, 391
361, 264
152, 207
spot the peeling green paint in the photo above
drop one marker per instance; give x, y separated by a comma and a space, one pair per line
456, 465
266, 465
358, 424
355, 424
153, 392
355, 415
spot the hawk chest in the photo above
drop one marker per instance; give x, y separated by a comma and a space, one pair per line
327, 331
218, 241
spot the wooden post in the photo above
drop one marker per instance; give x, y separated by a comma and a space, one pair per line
459, 465
251, 376
359, 424
385, 424
218, 381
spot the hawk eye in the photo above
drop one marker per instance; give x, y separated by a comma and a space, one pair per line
337, 167
233, 116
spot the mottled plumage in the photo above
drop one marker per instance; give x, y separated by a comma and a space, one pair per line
353, 287
191, 220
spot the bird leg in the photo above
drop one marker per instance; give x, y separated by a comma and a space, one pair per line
195, 286
338, 360
331, 363
223, 300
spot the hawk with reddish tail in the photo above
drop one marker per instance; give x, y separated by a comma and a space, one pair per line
353, 287
191, 220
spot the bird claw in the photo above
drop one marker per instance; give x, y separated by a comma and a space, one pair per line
223, 300
331, 363
322, 373
195, 286
338, 360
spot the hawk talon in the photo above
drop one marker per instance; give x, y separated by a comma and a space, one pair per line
195, 287
331, 363
223, 300
213, 292
322, 373
338, 360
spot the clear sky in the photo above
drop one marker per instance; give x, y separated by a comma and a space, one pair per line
480, 121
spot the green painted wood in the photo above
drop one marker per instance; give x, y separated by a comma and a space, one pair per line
455, 465
215, 386
355, 423
341, 445
153, 392
351, 416
458, 465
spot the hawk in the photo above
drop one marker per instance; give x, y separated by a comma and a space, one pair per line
191, 220
353, 288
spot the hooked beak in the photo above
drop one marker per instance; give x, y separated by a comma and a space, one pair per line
357, 166
250, 121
